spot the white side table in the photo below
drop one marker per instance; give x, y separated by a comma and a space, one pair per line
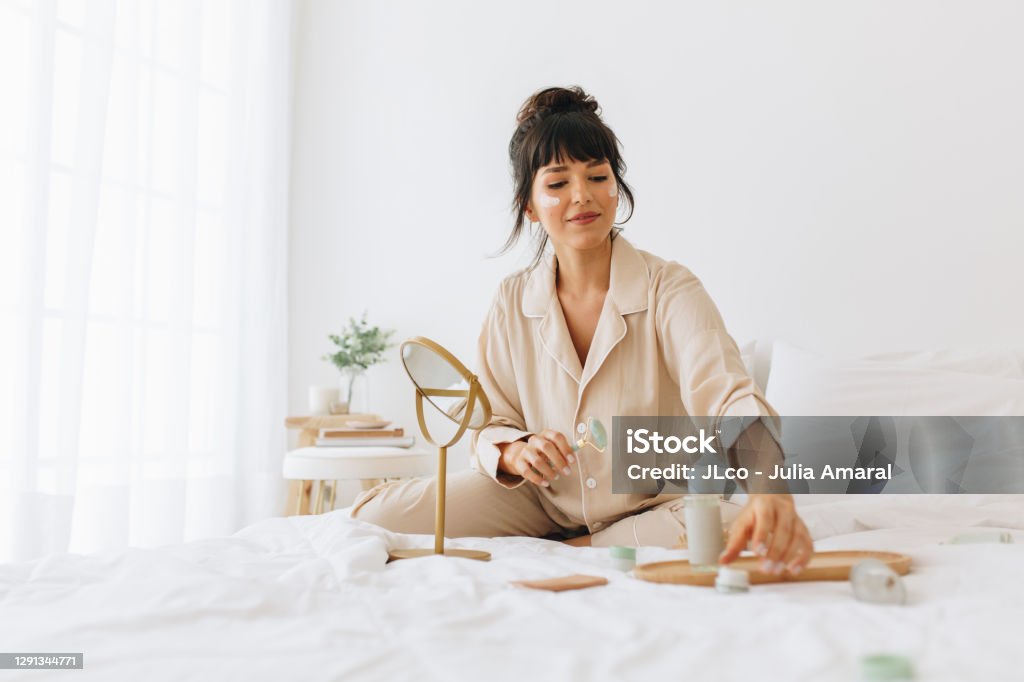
361, 463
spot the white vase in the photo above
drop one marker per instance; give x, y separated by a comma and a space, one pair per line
355, 391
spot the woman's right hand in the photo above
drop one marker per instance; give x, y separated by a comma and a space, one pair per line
539, 459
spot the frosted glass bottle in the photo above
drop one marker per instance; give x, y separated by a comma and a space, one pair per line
703, 516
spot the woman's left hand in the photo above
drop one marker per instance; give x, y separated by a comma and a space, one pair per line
775, 532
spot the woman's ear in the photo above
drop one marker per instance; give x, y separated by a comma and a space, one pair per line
530, 215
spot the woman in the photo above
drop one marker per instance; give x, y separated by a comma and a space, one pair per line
601, 329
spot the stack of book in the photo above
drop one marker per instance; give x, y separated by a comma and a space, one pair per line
338, 437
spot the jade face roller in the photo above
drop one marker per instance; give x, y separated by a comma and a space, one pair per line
593, 434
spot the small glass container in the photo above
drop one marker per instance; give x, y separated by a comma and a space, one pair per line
984, 537
875, 583
703, 516
623, 558
881, 667
732, 580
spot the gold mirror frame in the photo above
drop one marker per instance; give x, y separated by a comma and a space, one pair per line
473, 396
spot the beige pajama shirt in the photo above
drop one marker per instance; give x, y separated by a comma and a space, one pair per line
660, 348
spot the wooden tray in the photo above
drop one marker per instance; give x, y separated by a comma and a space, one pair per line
822, 566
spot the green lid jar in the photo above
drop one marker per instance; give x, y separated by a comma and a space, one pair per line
889, 667
623, 558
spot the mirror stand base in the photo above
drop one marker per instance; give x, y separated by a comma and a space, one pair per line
476, 554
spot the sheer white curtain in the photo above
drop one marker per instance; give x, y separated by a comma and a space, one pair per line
143, 246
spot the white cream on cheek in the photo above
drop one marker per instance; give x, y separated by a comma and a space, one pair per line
613, 189
548, 201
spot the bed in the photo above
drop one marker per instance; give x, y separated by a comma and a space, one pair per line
313, 598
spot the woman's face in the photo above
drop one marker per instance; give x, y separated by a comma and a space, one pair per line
575, 201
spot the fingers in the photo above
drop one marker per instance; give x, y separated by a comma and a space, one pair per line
739, 533
776, 533
537, 456
564, 448
555, 448
801, 547
764, 523
547, 456
526, 470
781, 536
789, 546
548, 453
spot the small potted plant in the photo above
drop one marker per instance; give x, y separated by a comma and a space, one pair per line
360, 347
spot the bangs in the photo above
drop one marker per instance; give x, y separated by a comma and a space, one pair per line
556, 126
577, 137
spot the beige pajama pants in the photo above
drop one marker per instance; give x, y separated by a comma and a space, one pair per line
476, 506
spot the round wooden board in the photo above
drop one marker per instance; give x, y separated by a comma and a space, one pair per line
822, 566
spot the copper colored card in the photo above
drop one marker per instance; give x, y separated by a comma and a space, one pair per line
569, 582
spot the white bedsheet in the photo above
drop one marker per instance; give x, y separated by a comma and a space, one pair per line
311, 598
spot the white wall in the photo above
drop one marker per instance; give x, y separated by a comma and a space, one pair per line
844, 175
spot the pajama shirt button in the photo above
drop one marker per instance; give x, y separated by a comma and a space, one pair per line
591, 483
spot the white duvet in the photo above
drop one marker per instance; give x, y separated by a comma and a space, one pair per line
311, 598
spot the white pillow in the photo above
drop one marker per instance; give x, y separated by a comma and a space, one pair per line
1006, 363
933, 383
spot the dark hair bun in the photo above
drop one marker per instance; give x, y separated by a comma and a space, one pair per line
555, 123
554, 100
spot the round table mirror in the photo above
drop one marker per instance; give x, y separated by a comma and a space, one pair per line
455, 392
443, 380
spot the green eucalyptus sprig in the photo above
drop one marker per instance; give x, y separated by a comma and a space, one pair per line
359, 347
